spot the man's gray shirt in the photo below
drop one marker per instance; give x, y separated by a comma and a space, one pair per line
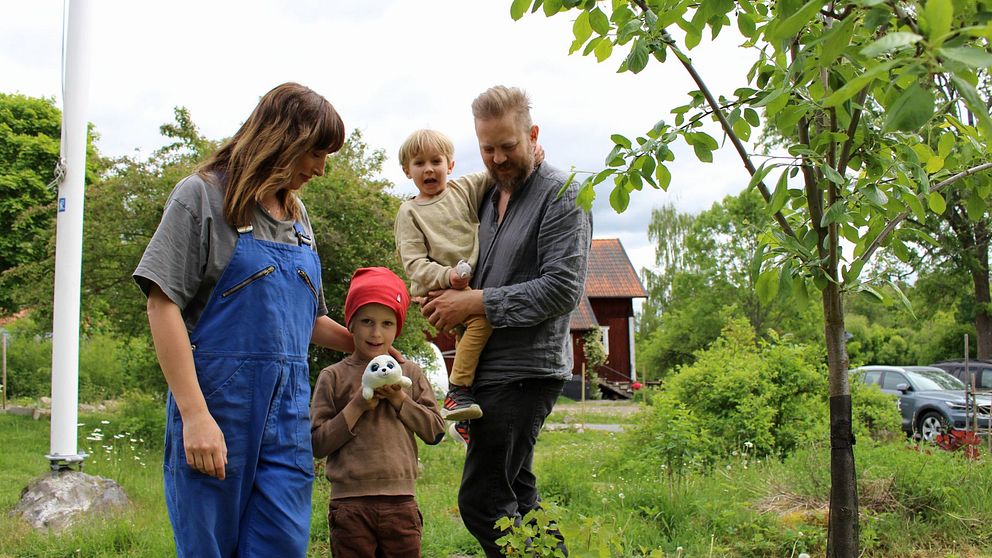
532, 271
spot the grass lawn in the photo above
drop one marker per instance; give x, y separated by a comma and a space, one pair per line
914, 504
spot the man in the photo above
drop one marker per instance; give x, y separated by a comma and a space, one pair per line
533, 248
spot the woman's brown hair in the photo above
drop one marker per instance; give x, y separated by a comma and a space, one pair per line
289, 121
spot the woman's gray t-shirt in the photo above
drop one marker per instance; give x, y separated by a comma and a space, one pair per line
193, 244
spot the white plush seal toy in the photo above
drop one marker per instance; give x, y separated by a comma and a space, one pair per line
383, 370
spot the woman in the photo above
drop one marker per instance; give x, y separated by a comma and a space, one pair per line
234, 299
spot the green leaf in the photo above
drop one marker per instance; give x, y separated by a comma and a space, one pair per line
759, 175
890, 42
619, 198
621, 141
518, 8
836, 213
703, 154
751, 116
745, 24
974, 101
767, 285
832, 175
551, 7
969, 56
936, 202
916, 206
835, 41
875, 196
911, 110
603, 50
857, 84
663, 175
852, 273
781, 194
938, 15
791, 25
902, 298
599, 22
587, 194
945, 144
581, 28
976, 207
874, 293
638, 57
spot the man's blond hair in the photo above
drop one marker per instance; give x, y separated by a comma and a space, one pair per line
425, 141
500, 100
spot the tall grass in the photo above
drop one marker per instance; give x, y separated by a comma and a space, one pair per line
914, 503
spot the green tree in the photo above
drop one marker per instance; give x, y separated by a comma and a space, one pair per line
855, 89
710, 273
30, 131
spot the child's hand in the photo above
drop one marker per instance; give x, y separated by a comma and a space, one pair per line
456, 280
394, 394
365, 404
538, 154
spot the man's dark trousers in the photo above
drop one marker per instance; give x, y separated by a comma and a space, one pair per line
497, 480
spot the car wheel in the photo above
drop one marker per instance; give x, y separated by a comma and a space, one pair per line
931, 424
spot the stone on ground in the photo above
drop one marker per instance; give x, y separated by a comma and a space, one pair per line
56, 500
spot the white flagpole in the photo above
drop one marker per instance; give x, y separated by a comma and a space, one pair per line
69, 241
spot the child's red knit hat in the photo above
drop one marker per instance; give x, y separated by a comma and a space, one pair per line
379, 285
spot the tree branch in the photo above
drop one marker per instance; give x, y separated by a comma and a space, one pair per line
852, 128
882, 236
710, 100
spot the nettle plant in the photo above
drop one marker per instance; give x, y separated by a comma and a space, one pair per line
879, 107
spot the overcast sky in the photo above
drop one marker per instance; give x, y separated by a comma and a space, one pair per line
389, 67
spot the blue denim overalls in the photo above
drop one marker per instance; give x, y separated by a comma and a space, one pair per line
250, 349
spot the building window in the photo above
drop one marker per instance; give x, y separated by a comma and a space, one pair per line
606, 339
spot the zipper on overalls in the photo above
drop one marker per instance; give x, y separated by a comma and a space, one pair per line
255, 277
306, 279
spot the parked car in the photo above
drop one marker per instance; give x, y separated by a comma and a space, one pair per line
930, 400
981, 369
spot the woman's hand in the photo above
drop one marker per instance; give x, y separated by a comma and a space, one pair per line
203, 440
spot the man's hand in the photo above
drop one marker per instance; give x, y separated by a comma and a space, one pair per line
204, 443
450, 307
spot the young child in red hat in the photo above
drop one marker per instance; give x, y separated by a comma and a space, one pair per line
369, 445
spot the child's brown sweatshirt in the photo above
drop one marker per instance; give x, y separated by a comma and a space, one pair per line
377, 455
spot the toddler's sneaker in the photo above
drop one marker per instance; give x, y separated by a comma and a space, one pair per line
459, 432
460, 405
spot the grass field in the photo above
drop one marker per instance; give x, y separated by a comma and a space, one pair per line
914, 504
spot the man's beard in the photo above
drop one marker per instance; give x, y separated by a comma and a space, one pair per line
518, 175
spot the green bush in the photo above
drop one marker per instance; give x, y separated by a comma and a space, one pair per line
29, 361
770, 395
143, 415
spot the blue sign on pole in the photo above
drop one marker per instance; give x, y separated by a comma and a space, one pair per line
61, 205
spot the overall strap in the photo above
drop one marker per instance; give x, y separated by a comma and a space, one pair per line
301, 236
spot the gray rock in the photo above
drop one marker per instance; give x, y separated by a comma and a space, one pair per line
55, 501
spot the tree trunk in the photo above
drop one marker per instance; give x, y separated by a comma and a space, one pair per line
983, 300
842, 529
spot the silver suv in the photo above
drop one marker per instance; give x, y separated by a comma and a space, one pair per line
930, 400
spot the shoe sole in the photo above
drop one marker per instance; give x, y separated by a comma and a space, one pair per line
466, 413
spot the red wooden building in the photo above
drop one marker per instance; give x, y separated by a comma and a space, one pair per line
606, 305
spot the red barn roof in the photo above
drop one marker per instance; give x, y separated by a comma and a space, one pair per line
610, 274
